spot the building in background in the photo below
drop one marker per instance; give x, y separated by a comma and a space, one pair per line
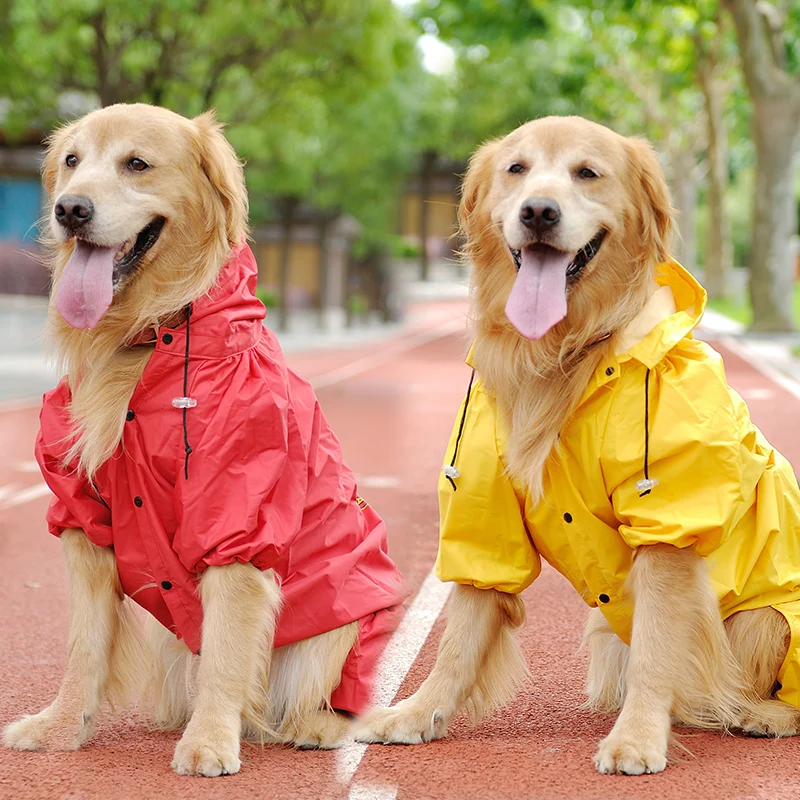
21, 202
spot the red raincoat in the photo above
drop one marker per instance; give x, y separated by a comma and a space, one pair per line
266, 485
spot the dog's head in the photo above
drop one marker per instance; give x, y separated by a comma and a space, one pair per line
560, 208
131, 186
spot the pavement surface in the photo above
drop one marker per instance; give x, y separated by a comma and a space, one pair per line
392, 401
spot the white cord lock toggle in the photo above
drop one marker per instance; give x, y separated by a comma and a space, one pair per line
184, 402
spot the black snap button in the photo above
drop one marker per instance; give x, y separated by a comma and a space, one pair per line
567, 517
609, 370
166, 585
137, 501
604, 598
130, 415
167, 338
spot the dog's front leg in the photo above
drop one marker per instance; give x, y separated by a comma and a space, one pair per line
479, 664
671, 596
95, 614
240, 608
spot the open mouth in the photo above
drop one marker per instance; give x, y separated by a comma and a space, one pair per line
93, 273
538, 299
130, 253
582, 257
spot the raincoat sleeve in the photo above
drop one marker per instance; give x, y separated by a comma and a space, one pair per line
233, 507
76, 504
483, 540
698, 439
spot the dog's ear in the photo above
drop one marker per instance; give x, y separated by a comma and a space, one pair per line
53, 155
224, 171
477, 183
652, 200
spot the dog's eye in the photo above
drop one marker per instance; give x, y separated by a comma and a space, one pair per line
516, 168
137, 165
71, 160
587, 173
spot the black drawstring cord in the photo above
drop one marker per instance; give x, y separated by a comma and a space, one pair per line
186, 444
646, 484
453, 472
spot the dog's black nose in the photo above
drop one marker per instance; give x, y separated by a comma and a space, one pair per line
538, 213
72, 211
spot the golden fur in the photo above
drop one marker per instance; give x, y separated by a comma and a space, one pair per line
682, 660
229, 691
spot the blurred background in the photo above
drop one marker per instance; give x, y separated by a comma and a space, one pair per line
356, 118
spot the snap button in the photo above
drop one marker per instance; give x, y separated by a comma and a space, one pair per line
130, 415
138, 502
567, 517
167, 338
609, 371
604, 598
166, 585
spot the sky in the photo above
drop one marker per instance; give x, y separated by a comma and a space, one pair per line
437, 57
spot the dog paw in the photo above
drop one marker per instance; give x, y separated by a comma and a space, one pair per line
209, 751
323, 730
407, 723
625, 754
49, 730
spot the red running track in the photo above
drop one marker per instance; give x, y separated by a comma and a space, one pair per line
392, 404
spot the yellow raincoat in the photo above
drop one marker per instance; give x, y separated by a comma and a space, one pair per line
721, 488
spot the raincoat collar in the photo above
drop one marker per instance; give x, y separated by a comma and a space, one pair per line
674, 310
226, 321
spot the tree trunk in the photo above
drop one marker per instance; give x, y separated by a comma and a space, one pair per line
288, 206
428, 161
774, 216
684, 191
776, 117
719, 245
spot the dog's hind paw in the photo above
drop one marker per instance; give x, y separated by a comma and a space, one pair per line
630, 755
407, 723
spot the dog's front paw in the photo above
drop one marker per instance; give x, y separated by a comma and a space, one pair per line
50, 730
409, 722
207, 749
626, 754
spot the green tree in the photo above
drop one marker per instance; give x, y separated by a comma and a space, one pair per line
318, 94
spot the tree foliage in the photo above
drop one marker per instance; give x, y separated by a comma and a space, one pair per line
328, 101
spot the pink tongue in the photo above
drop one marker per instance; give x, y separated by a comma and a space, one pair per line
538, 299
85, 289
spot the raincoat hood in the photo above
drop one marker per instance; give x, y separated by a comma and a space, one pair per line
659, 450
673, 311
227, 457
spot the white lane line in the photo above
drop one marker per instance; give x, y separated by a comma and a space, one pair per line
400, 654
757, 394
23, 496
366, 791
765, 369
378, 482
385, 355
7, 491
